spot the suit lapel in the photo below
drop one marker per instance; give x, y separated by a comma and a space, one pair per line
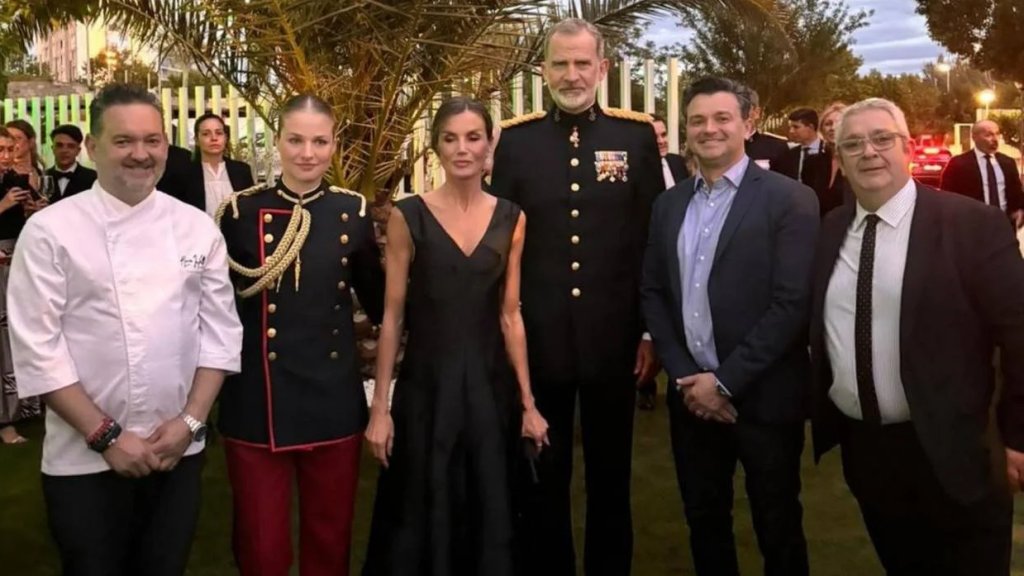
675, 224
977, 182
740, 204
924, 230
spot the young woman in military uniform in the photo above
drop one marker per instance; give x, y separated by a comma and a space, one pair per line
297, 409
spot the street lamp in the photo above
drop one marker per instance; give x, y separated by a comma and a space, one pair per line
986, 97
945, 69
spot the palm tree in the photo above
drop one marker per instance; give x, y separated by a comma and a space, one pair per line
381, 64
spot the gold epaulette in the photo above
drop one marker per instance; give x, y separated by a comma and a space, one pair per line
783, 138
362, 199
523, 119
232, 201
629, 115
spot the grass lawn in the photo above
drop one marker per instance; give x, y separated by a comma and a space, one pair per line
838, 542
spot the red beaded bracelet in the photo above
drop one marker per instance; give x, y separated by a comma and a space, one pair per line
105, 427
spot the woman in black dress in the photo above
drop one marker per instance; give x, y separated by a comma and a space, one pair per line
450, 439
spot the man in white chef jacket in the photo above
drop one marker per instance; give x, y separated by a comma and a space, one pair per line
123, 318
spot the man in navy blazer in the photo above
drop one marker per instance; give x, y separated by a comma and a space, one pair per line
726, 297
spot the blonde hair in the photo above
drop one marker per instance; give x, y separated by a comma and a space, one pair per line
873, 104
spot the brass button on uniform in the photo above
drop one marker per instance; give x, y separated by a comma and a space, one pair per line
334, 355
344, 238
272, 356
574, 162
575, 187
271, 332
268, 218
575, 239
344, 216
268, 238
344, 260
341, 285
271, 308
575, 213
575, 266
576, 292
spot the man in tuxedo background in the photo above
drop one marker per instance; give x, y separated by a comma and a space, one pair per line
803, 130
725, 293
987, 175
673, 166
70, 177
914, 290
673, 169
766, 150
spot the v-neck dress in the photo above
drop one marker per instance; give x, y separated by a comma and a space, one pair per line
444, 503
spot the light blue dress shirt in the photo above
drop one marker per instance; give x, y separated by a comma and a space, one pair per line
695, 247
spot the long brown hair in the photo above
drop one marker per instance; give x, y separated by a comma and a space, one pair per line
30, 133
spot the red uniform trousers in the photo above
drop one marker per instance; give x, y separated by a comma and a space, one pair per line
261, 482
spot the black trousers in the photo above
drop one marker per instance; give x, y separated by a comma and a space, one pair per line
705, 456
544, 523
107, 525
916, 527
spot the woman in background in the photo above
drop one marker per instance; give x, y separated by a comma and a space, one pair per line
12, 220
219, 175
837, 192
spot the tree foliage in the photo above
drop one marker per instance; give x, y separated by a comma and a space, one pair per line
381, 65
805, 67
988, 32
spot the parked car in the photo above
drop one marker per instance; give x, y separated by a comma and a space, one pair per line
930, 159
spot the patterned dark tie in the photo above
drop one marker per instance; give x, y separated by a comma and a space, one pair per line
993, 186
862, 326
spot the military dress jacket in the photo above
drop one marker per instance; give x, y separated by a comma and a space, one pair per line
300, 384
586, 183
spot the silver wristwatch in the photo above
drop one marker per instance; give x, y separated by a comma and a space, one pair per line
197, 428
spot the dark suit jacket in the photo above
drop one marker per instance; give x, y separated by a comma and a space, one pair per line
81, 180
239, 173
963, 295
761, 146
177, 178
677, 166
759, 290
963, 176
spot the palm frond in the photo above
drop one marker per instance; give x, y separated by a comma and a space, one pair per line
618, 15
381, 64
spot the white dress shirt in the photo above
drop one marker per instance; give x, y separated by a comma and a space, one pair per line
218, 186
62, 180
666, 172
128, 301
1000, 178
891, 241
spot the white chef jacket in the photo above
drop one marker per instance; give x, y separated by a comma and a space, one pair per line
128, 301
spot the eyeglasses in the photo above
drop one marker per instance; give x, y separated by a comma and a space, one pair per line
880, 141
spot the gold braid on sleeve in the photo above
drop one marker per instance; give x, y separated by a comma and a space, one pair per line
286, 253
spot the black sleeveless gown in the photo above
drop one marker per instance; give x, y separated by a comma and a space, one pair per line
444, 505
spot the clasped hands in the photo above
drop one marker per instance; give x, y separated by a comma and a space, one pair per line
702, 397
136, 457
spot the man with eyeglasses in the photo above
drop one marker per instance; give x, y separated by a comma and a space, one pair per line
913, 290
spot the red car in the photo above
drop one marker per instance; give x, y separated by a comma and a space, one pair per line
930, 159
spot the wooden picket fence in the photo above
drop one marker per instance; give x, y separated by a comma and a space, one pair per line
252, 140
